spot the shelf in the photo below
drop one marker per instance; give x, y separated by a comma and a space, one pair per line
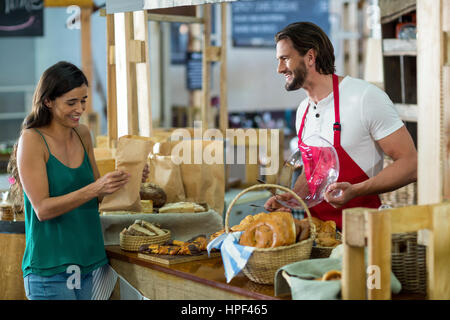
12, 115
407, 112
399, 47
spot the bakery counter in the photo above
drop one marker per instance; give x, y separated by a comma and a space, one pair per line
194, 280
12, 246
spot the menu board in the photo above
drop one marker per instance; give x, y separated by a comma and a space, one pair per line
21, 18
194, 71
255, 22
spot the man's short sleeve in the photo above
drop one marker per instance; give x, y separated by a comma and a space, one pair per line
379, 114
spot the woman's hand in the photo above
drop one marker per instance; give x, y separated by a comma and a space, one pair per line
339, 193
111, 182
145, 173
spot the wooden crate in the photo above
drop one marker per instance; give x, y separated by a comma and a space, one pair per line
373, 228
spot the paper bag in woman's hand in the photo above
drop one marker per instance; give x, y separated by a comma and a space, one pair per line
131, 157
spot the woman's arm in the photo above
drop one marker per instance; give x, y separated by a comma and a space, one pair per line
31, 161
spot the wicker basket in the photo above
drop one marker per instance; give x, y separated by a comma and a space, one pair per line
264, 262
409, 262
402, 197
318, 252
132, 243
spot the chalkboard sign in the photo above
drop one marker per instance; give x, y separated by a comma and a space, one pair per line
21, 18
194, 71
255, 23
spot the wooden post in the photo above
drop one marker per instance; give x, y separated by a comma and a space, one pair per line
111, 112
125, 77
140, 21
353, 264
446, 99
379, 251
223, 115
429, 98
206, 69
438, 254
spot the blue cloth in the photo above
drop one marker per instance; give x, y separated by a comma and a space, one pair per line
234, 255
58, 287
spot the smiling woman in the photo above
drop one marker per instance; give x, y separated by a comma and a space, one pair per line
55, 170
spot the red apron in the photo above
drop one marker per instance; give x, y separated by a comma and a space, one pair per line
349, 171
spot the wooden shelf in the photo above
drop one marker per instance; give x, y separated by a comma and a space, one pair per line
399, 47
407, 112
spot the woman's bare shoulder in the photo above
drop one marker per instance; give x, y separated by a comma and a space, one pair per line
31, 141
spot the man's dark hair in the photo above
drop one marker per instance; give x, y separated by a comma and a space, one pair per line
307, 35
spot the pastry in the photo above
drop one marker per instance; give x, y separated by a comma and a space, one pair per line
331, 275
270, 230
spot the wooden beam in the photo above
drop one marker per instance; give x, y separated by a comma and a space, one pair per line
115, 6
446, 99
86, 52
142, 67
111, 109
438, 254
125, 76
353, 263
223, 111
137, 52
213, 53
429, 96
206, 67
66, 3
355, 227
174, 18
379, 255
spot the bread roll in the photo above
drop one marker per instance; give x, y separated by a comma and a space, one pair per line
150, 191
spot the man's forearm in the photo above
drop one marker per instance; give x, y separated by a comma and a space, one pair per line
398, 174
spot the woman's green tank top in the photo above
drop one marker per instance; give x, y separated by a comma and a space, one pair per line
73, 238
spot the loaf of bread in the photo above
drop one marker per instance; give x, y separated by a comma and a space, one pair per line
144, 228
150, 191
270, 230
181, 207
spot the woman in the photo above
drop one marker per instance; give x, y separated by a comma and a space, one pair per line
54, 164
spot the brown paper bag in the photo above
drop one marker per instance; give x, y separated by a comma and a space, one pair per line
166, 174
131, 156
202, 170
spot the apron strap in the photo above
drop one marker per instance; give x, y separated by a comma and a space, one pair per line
337, 124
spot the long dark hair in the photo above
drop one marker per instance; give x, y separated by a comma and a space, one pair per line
57, 80
307, 35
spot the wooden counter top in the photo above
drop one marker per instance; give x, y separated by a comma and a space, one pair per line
209, 272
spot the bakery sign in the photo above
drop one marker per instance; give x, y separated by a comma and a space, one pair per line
21, 18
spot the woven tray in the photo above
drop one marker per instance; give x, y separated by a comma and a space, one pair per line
264, 262
132, 243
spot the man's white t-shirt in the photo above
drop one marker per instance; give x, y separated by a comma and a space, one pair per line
366, 114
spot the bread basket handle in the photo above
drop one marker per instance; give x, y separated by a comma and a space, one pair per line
266, 186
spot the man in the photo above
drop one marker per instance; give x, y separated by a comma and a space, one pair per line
355, 116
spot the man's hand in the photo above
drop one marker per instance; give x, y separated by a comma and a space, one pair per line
339, 193
273, 205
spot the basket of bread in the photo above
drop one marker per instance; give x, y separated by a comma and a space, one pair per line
327, 238
142, 232
278, 238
